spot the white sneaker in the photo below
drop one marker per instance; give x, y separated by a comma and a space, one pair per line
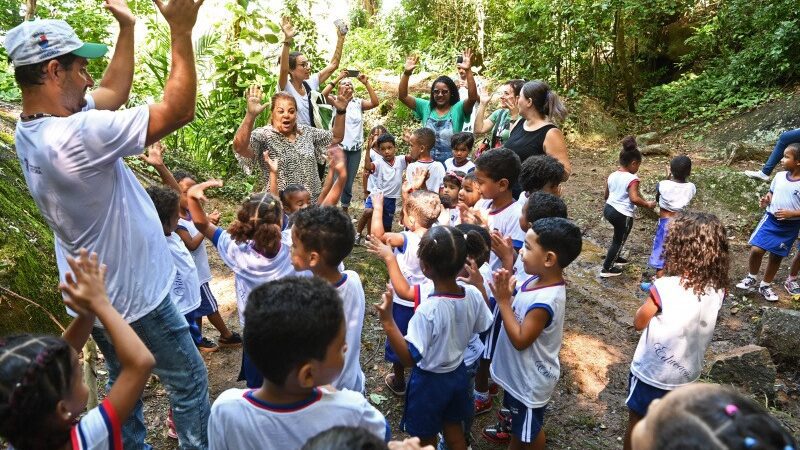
748, 283
757, 174
768, 294
792, 286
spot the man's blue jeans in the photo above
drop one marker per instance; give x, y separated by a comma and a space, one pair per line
180, 368
786, 138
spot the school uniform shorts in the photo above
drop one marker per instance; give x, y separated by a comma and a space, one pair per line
435, 398
526, 423
641, 394
775, 236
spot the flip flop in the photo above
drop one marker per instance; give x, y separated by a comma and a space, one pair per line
389, 380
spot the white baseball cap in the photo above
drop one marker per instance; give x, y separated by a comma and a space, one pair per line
34, 41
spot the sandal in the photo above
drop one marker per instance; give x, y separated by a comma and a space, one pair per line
499, 433
390, 383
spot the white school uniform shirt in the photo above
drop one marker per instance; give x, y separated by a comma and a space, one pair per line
251, 268
443, 325
74, 170
352, 294
785, 193
239, 420
506, 221
450, 166
286, 239
408, 261
353, 124
475, 347
99, 429
530, 375
436, 173
389, 177
303, 116
449, 217
618, 184
199, 254
185, 292
671, 349
674, 196
373, 177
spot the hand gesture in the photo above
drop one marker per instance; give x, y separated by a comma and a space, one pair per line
765, 200
272, 164
419, 177
340, 101
181, 15
411, 63
474, 276
483, 94
197, 191
214, 217
466, 63
362, 77
336, 160
377, 199
503, 286
287, 28
120, 10
783, 214
154, 155
85, 285
473, 216
407, 136
502, 246
379, 248
254, 106
384, 308
651, 204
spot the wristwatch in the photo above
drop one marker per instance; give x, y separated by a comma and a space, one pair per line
340, 112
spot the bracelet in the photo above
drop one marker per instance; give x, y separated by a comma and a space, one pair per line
333, 85
287, 42
408, 72
340, 112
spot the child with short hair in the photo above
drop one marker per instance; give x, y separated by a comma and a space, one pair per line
704, 416
776, 232
451, 188
540, 173
622, 197
672, 195
462, 144
388, 177
526, 362
448, 315
421, 142
368, 180
294, 331
421, 209
42, 393
679, 316
251, 247
470, 192
322, 238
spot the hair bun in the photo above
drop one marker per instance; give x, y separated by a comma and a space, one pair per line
629, 144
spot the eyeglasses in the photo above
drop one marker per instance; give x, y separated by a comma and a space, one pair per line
305, 64
440, 92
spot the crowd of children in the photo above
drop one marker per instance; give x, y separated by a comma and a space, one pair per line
475, 303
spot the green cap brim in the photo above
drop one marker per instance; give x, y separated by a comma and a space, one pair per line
91, 51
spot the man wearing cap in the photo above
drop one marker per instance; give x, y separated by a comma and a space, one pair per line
70, 144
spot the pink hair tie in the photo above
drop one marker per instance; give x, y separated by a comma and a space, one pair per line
731, 410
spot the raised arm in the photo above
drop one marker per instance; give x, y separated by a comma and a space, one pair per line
332, 192
376, 223
272, 164
472, 89
155, 159
402, 88
195, 195
398, 280
288, 36
325, 73
115, 86
241, 140
329, 86
482, 124
373, 101
180, 92
340, 103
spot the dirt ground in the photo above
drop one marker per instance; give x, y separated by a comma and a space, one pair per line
587, 409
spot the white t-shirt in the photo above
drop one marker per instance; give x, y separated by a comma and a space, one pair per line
506, 221
475, 347
99, 429
530, 375
303, 116
90, 199
251, 268
674, 196
353, 125
449, 166
618, 184
408, 261
671, 348
389, 177
352, 294
436, 173
199, 254
785, 194
239, 420
449, 217
372, 178
185, 292
443, 325
463, 93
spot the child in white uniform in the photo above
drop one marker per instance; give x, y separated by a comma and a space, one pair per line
368, 180
422, 141
462, 144
673, 196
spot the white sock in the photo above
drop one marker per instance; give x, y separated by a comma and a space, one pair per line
482, 396
764, 283
752, 276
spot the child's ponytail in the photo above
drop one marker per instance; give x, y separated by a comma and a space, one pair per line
443, 250
478, 242
258, 220
630, 151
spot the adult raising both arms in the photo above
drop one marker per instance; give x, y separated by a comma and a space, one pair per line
90, 199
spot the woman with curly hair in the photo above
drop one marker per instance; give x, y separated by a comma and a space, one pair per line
445, 113
680, 315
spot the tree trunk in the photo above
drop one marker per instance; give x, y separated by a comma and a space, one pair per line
89, 375
621, 54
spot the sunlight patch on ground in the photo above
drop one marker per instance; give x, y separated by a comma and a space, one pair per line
589, 360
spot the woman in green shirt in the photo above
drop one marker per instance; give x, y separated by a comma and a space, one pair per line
499, 123
445, 113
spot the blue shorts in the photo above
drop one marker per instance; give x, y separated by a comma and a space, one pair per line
208, 303
489, 337
775, 236
194, 330
249, 373
526, 423
433, 399
402, 315
389, 206
641, 394
656, 258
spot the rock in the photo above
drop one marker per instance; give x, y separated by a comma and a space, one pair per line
647, 138
749, 367
655, 149
780, 333
746, 151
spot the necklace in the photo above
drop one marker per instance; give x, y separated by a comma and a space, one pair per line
29, 117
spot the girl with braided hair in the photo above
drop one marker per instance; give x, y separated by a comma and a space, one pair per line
42, 393
704, 416
251, 247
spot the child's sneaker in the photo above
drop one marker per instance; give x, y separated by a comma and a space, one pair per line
792, 286
768, 294
234, 341
612, 272
398, 389
207, 345
748, 283
483, 406
499, 433
620, 261
494, 389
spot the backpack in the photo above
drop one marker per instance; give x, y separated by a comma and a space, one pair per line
319, 110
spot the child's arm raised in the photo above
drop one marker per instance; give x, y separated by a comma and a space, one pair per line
393, 239
331, 195
636, 196
522, 335
646, 312
272, 165
85, 288
475, 278
155, 158
396, 339
399, 282
195, 195
503, 247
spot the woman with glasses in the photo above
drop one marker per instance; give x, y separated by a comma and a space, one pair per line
445, 113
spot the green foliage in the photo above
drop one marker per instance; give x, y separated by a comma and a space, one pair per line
9, 92
306, 40
371, 48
